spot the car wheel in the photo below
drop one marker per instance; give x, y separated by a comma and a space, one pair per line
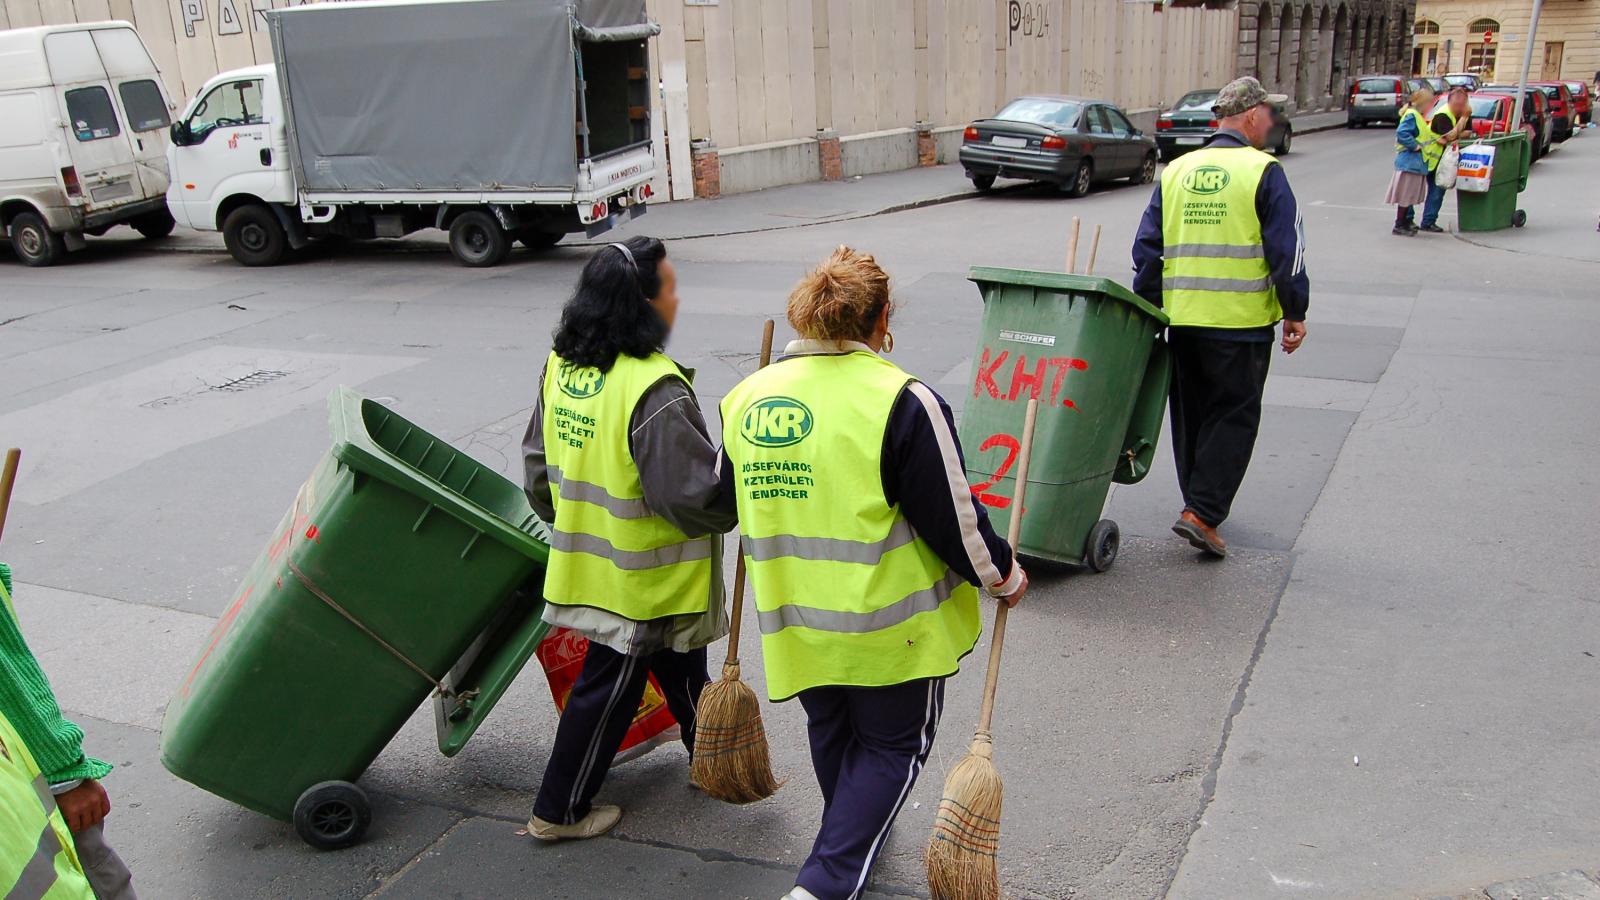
153, 226
34, 242
1285, 141
254, 236
1081, 181
1350, 122
1147, 170
983, 183
478, 241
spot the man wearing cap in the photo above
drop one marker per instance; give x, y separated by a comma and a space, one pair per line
1222, 249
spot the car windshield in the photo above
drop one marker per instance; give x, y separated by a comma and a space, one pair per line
1482, 107
1458, 79
1577, 88
1377, 86
1196, 101
1051, 113
1551, 91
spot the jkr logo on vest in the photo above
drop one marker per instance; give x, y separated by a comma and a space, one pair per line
1206, 180
776, 422
580, 383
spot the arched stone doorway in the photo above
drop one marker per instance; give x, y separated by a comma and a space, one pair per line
1339, 58
1263, 70
1288, 58
1305, 87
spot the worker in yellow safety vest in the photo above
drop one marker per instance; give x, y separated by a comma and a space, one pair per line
620, 464
866, 551
1450, 120
38, 860
1222, 248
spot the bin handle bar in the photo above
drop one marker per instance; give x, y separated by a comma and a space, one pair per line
323, 596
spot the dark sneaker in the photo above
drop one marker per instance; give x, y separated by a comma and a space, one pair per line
1432, 229
1403, 231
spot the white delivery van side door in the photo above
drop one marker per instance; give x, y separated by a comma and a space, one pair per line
97, 144
226, 149
146, 113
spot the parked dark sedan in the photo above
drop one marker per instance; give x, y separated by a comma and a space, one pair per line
1189, 122
1071, 142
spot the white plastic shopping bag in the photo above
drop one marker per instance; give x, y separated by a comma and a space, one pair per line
1475, 168
1445, 175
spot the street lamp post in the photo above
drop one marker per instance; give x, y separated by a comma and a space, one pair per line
1527, 61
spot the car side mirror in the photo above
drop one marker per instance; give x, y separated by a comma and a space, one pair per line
181, 136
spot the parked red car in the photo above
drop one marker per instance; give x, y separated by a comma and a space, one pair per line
1582, 99
1535, 110
1561, 106
1491, 115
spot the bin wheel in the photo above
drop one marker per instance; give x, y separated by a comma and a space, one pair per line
332, 815
1100, 551
1519, 218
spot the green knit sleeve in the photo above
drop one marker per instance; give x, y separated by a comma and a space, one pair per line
30, 705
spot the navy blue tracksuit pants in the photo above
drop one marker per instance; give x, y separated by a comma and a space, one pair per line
868, 745
599, 712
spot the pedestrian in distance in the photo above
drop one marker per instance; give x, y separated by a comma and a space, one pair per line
1450, 120
866, 550
1412, 177
619, 463
33, 853
1222, 248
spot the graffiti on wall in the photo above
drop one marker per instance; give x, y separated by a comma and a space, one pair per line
1027, 19
227, 16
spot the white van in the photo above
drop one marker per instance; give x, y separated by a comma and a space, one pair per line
84, 143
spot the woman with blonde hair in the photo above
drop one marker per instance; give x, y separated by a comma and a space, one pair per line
866, 552
1409, 186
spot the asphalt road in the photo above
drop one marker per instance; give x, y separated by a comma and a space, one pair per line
1412, 581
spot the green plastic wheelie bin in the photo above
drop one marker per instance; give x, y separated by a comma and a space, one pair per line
402, 567
1091, 352
1496, 208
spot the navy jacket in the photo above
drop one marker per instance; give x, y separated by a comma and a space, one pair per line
1282, 237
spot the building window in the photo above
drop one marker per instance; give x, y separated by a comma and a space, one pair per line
1426, 26
1481, 25
1480, 59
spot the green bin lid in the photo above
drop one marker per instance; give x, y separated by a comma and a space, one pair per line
1062, 283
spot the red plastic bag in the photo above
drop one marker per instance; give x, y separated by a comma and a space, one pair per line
561, 655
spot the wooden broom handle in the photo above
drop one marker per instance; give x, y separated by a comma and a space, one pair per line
8, 478
1013, 536
738, 566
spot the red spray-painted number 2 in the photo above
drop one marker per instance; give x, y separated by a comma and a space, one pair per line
1012, 447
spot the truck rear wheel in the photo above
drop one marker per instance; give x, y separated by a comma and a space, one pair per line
34, 242
478, 241
254, 236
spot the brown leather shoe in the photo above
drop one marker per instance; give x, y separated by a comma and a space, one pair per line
1202, 536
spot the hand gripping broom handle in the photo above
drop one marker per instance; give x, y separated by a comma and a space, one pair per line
1013, 535
738, 566
8, 478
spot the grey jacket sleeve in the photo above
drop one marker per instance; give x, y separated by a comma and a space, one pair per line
678, 464
535, 472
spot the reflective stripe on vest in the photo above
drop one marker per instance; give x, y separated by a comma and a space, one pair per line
845, 591
32, 831
608, 549
1214, 271
1433, 151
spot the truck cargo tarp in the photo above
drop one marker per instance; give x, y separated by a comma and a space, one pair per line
467, 96
613, 20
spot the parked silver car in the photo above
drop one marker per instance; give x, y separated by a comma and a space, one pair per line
1071, 142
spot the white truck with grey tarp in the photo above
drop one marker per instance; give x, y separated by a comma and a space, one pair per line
495, 120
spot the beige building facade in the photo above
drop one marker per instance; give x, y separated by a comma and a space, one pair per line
756, 93
1490, 38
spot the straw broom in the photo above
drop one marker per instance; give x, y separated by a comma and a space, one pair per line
965, 842
731, 761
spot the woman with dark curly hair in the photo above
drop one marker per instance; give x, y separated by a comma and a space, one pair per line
619, 463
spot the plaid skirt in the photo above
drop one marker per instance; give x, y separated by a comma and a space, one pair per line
1407, 189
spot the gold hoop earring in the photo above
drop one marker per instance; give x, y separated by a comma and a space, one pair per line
888, 342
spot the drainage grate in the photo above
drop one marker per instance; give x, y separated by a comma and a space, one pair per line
255, 379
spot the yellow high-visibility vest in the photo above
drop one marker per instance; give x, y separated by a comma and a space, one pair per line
1214, 271
38, 860
846, 592
608, 549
